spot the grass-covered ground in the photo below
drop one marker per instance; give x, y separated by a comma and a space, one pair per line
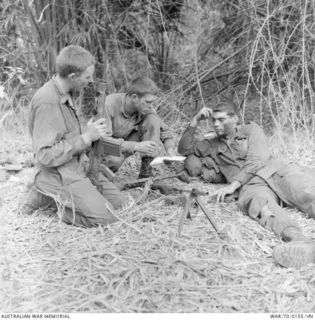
139, 264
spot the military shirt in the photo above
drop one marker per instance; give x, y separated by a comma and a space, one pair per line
56, 133
240, 158
120, 125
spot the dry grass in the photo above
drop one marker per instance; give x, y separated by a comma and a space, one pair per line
140, 265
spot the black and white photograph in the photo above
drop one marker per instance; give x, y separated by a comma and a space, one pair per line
157, 159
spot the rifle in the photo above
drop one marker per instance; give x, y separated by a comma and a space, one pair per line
100, 147
141, 182
179, 173
194, 195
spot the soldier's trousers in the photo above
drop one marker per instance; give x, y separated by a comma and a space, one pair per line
82, 203
292, 185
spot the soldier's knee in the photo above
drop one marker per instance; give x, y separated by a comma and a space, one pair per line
251, 206
193, 166
150, 128
152, 120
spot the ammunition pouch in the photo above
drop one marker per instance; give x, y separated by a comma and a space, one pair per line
210, 171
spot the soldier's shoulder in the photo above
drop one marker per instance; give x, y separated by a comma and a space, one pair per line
114, 99
45, 94
250, 126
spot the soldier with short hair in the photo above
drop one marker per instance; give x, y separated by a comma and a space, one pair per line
239, 155
60, 146
133, 122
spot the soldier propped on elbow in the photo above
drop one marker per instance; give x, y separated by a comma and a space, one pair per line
239, 156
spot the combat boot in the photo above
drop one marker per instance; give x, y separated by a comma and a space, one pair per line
35, 200
145, 169
295, 254
298, 252
293, 234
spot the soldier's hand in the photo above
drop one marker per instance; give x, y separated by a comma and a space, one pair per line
227, 190
148, 148
95, 130
204, 113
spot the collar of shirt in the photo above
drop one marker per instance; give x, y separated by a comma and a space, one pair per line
224, 143
64, 98
137, 116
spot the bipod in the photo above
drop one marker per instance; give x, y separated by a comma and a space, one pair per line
194, 196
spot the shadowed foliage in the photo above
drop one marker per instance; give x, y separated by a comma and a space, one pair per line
260, 54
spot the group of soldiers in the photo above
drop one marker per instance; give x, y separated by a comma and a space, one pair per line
237, 155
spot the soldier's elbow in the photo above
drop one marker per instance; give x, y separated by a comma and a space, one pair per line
181, 149
44, 159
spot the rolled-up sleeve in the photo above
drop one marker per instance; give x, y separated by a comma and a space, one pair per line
189, 145
52, 147
109, 113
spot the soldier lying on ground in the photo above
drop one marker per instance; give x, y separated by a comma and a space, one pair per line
132, 120
239, 156
60, 146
